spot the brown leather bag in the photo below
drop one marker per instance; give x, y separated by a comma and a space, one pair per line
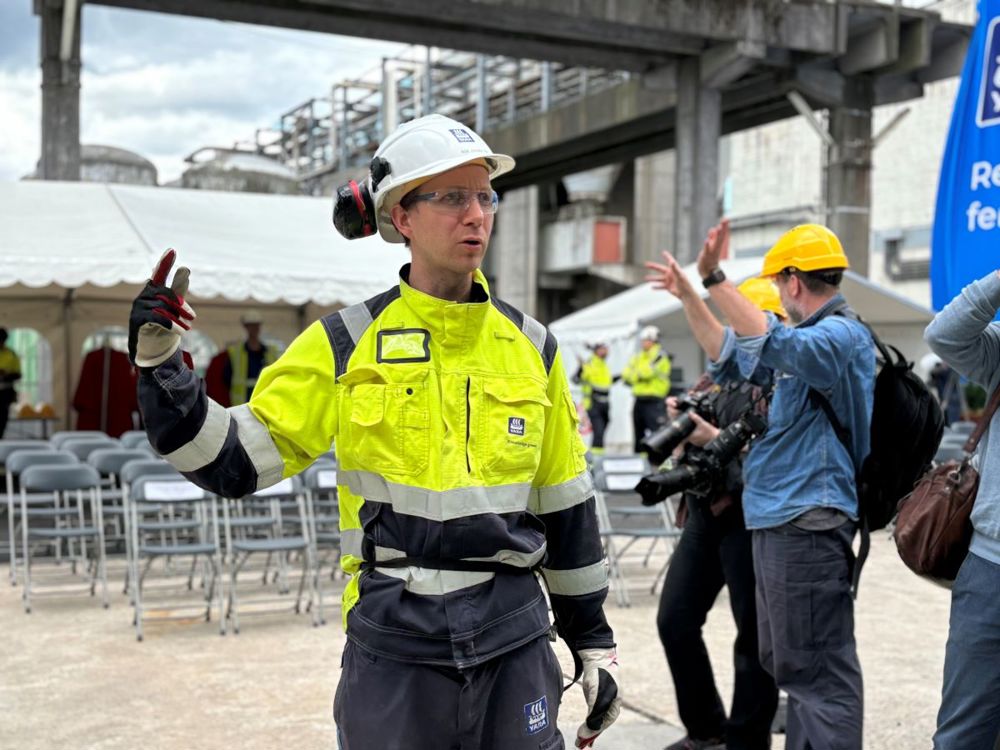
933, 529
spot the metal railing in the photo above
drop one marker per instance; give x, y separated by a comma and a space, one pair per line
341, 131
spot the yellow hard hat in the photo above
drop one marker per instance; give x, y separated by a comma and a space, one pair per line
807, 247
764, 294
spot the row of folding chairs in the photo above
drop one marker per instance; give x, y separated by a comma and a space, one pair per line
624, 522
75, 507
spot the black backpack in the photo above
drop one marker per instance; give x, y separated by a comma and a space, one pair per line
906, 429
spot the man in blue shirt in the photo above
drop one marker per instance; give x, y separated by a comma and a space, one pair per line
799, 496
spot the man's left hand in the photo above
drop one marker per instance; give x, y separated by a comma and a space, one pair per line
716, 245
600, 687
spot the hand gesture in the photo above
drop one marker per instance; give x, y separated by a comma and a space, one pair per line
159, 315
716, 245
669, 275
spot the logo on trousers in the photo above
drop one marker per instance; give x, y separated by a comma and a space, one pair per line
536, 715
515, 426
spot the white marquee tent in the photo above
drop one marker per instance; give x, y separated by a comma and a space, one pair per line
617, 320
73, 255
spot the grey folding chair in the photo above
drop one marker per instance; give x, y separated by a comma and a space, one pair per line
77, 485
320, 482
39, 504
197, 538
83, 447
109, 463
962, 427
58, 438
6, 448
621, 516
128, 474
274, 538
133, 438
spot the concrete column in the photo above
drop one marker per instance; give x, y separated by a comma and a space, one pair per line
514, 249
699, 121
849, 171
60, 157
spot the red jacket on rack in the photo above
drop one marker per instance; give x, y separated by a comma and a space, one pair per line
106, 394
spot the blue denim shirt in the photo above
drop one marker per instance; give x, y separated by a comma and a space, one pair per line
966, 337
798, 463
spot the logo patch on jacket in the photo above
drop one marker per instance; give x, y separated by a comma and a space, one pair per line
515, 426
536, 715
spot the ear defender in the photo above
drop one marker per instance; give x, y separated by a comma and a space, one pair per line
354, 211
353, 207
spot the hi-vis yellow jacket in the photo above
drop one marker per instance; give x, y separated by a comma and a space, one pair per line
595, 379
239, 363
648, 372
458, 448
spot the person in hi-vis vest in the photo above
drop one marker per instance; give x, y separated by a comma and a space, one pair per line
596, 379
247, 359
648, 374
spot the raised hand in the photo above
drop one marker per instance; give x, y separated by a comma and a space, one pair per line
716, 245
159, 315
670, 276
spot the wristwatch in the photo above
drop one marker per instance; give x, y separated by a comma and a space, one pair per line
716, 277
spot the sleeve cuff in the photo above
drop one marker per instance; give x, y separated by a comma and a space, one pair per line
750, 348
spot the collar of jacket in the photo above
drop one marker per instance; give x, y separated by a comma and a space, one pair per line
448, 322
829, 307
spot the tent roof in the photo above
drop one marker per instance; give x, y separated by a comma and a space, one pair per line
239, 246
621, 316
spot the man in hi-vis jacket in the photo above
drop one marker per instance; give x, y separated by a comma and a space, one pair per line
462, 472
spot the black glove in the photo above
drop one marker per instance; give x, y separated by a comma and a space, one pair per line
158, 315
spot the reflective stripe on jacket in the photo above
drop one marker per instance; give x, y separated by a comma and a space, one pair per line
457, 440
648, 372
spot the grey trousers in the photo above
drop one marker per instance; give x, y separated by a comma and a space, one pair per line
508, 703
805, 618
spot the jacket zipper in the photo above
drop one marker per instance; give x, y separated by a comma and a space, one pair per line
468, 416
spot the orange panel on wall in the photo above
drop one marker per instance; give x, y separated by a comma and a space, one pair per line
608, 242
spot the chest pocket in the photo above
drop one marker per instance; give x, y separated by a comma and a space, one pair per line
788, 402
509, 428
389, 423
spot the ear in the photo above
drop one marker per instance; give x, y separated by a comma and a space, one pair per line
401, 219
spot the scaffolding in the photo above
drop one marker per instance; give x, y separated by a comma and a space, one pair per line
340, 132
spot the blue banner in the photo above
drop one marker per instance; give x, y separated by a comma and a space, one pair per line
965, 244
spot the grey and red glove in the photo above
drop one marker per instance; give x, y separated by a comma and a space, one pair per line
600, 687
159, 315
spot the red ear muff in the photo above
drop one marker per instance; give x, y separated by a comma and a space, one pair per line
354, 211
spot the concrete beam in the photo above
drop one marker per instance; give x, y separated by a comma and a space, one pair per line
515, 249
60, 156
540, 34
728, 62
634, 35
875, 46
698, 126
849, 166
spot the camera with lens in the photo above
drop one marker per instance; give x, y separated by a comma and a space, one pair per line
660, 444
699, 468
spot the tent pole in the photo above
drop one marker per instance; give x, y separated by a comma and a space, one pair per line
67, 349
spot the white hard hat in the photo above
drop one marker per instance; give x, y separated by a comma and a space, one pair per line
251, 316
649, 333
415, 152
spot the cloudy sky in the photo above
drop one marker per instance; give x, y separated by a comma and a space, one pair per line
163, 86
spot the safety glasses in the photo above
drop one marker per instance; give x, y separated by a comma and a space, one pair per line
456, 202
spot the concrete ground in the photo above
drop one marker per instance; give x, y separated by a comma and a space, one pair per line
73, 675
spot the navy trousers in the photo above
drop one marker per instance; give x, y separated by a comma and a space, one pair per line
508, 703
805, 624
